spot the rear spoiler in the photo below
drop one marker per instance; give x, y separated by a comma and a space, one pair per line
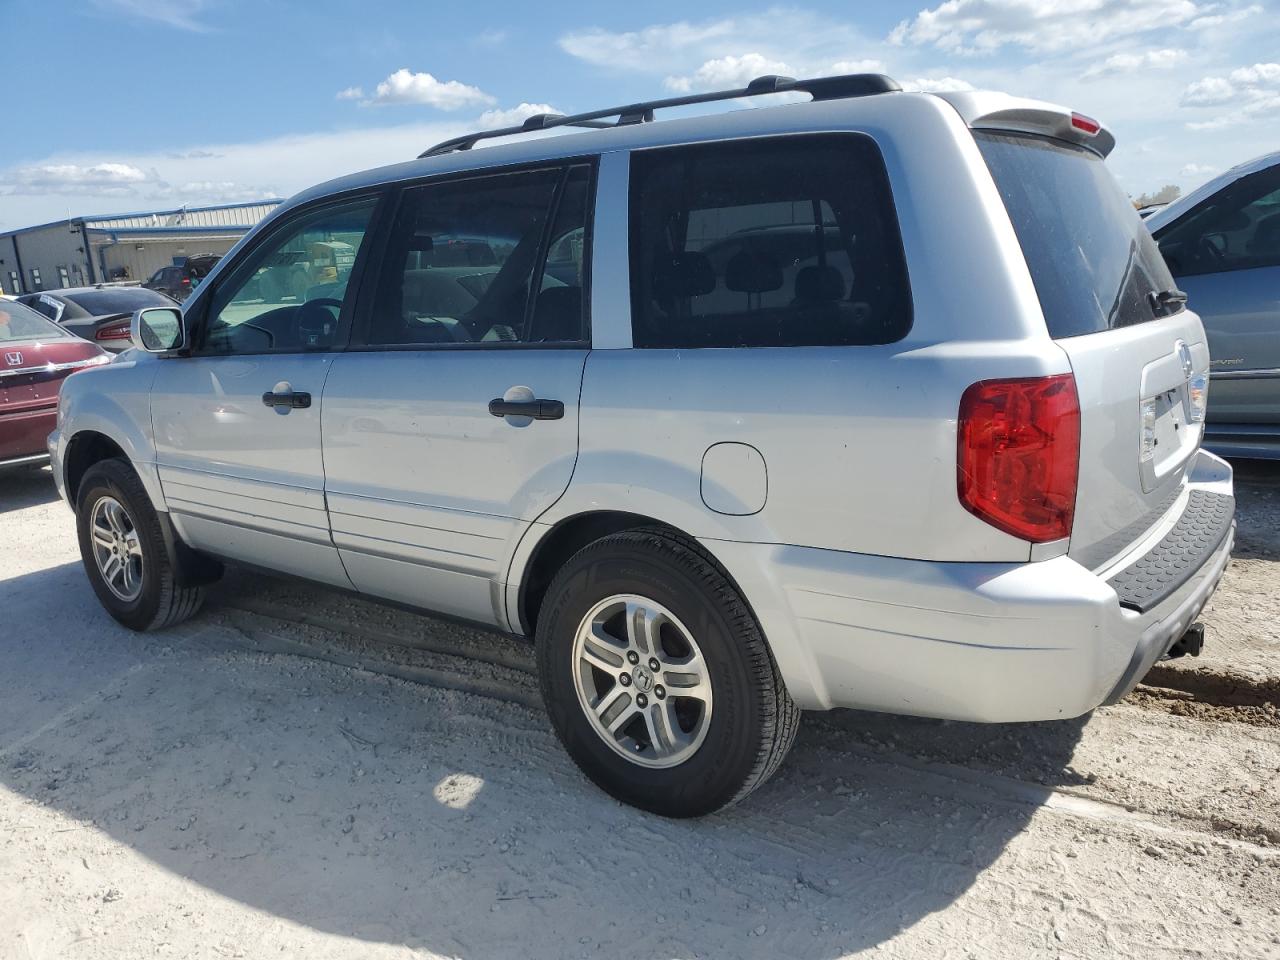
984, 110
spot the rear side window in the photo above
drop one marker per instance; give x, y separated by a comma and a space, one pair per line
1092, 260
775, 242
1237, 228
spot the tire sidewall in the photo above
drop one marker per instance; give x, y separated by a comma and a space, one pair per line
111, 478
714, 775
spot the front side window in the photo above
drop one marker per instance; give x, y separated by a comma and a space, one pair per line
1237, 228
464, 254
287, 295
766, 243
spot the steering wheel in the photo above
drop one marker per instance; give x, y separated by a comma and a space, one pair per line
313, 324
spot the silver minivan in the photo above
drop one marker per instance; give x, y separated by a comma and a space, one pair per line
882, 400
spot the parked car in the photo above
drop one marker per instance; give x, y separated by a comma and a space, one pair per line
178, 280
36, 356
100, 313
1222, 244
944, 459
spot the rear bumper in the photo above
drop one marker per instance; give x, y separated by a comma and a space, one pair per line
987, 642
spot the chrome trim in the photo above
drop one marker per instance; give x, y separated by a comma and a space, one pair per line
1260, 373
55, 367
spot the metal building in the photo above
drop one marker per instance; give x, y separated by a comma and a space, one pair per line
80, 251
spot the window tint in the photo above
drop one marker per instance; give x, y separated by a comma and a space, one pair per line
22, 323
287, 296
1090, 256
768, 243
1237, 228
463, 254
97, 303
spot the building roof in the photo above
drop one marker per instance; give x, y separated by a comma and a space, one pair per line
223, 215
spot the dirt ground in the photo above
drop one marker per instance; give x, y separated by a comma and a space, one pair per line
299, 774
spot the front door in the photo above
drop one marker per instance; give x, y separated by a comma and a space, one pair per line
237, 423
452, 423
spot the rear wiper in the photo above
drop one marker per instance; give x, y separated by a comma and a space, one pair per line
1166, 301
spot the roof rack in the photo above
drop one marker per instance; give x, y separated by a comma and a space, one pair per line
819, 88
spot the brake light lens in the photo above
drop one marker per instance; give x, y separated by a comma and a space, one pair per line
1085, 124
113, 331
1018, 456
1198, 394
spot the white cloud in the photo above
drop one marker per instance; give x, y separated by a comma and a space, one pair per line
516, 115
72, 178
350, 93
491, 38
1198, 170
984, 26
404, 86
641, 49
1165, 58
1209, 92
1255, 91
935, 85
727, 73
182, 14
1211, 20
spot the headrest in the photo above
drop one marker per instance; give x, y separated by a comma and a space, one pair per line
819, 284
751, 272
682, 275
1266, 235
557, 315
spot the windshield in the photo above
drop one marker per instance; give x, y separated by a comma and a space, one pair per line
1093, 262
22, 323
121, 300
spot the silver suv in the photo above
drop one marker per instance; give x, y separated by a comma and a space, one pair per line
884, 400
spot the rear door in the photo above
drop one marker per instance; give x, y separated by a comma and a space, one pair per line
1225, 253
237, 423
1140, 360
452, 423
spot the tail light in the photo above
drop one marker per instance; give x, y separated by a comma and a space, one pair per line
113, 331
1018, 456
1085, 124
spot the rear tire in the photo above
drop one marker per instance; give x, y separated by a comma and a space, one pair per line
124, 552
705, 728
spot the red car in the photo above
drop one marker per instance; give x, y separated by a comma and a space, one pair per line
36, 355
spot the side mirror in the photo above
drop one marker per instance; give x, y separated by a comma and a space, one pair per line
157, 329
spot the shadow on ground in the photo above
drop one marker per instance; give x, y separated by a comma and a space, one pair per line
22, 487
396, 813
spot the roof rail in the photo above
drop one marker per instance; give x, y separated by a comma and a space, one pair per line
819, 88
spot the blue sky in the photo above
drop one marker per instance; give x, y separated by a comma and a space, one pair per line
132, 104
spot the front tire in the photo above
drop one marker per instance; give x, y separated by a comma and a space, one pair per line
656, 677
122, 546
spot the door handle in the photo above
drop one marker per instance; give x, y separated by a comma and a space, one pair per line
534, 409
287, 399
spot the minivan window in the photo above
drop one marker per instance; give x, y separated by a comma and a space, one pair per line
776, 242
1092, 260
463, 254
1237, 228
288, 293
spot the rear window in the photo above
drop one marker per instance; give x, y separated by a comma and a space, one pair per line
22, 323
1092, 260
775, 242
126, 300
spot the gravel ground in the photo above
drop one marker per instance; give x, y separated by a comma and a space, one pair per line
297, 773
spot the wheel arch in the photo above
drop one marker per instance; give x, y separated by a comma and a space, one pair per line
84, 449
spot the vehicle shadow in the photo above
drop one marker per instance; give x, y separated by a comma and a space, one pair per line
26, 487
359, 805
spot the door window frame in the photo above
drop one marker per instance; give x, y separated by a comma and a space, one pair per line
363, 319
1169, 227
197, 319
